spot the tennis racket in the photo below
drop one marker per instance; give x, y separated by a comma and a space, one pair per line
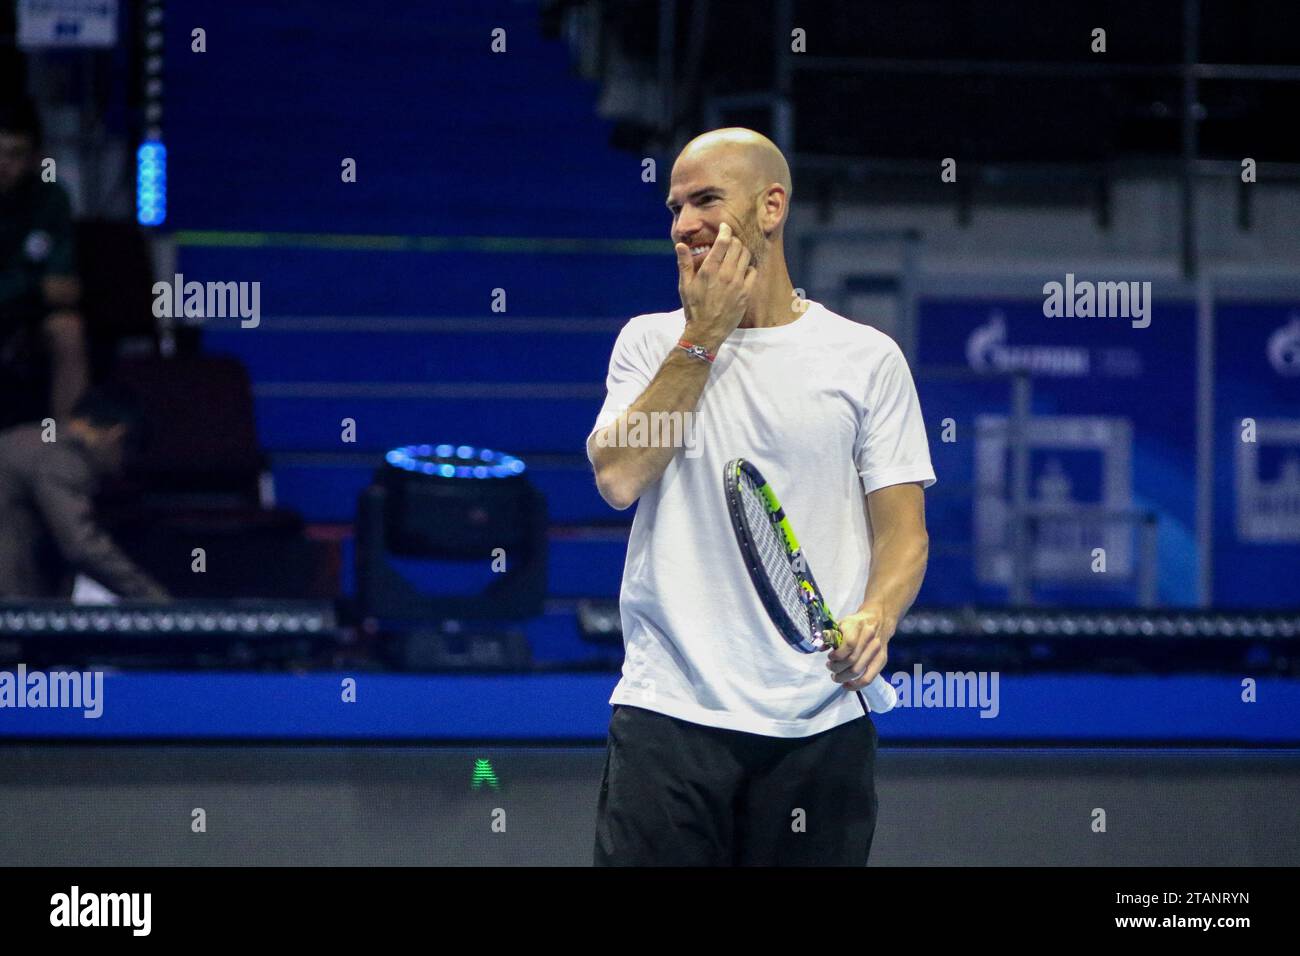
781, 574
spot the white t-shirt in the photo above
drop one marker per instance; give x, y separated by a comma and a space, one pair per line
827, 411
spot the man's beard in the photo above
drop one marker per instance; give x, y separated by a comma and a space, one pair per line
752, 238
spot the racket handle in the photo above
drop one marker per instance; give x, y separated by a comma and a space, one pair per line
880, 695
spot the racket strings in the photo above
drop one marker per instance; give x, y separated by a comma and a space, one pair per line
773, 556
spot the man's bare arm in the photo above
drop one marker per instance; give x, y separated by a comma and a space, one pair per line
714, 299
61, 292
622, 473
900, 550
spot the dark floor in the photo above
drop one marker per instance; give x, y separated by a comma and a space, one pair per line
134, 805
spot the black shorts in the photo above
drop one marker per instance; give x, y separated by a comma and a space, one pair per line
681, 794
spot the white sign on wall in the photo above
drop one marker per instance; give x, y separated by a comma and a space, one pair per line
47, 23
1268, 508
1062, 546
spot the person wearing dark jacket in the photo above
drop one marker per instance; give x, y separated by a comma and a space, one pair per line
48, 529
44, 366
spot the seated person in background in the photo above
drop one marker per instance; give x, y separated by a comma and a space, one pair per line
41, 332
48, 531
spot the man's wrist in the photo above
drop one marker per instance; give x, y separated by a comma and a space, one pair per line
695, 350
696, 337
888, 619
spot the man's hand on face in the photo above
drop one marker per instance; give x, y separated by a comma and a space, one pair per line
717, 295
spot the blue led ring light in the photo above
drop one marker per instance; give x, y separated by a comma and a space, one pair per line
455, 461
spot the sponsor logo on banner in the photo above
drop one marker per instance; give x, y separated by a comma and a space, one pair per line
1284, 347
988, 349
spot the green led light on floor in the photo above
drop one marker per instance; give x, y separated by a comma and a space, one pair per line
483, 773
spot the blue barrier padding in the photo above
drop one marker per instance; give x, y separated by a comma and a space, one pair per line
1065, 709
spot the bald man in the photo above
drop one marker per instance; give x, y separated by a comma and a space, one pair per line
726, 746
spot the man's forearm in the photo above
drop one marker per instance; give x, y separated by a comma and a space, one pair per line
96, 556
898, 565
61, 292
65, 504
623, 469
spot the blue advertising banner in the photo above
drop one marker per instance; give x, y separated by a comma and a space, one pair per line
1025, 708
1112, 441
1257, 454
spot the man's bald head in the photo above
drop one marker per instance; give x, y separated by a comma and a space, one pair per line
749, 155
731, 175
